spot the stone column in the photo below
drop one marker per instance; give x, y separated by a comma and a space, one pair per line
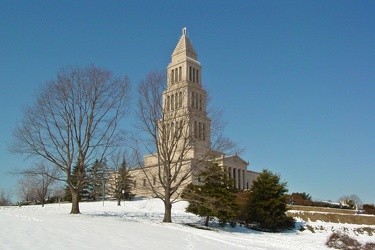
244, 179
239, 178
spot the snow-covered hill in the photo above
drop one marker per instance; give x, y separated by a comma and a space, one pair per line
137, 226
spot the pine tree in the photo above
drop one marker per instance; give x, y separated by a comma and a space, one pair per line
267, 205
74, 180
215, 198
97, 176
121, 183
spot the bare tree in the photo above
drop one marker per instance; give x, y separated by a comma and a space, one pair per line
5, 198
58, 192
177, 147
73, 121
38, 181
25, 191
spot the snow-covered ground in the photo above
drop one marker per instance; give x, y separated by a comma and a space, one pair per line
137, 226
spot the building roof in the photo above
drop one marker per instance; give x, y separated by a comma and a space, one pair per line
184, 46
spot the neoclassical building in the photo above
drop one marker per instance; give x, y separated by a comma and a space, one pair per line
185, 116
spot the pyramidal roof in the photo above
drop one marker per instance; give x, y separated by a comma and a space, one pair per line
184, 46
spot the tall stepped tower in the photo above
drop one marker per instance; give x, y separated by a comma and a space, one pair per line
184, 93
185, 124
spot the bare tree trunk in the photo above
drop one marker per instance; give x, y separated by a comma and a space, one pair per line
43, 191
167, 208
167, 211
75, 202
207, 220
118, 201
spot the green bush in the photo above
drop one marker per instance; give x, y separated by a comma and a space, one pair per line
266, 204
216, 197
300, 199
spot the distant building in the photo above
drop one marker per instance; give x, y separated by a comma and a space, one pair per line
184, 92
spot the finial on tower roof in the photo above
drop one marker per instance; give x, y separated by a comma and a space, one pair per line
184, 31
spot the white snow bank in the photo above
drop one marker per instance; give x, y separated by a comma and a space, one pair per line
136, 226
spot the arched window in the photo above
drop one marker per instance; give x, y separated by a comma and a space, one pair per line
176, 75
180, 73
168, 101
193, 74
172, 76
176, 101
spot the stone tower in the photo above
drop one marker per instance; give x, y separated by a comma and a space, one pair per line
184, 131
184, 93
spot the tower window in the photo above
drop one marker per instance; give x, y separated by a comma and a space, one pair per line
197, 76
154, 181
172, 102
204, 132
193, 74
172, 76
190, 73
144, 182
168, 132
176, 101
176, 75
192, 99
172, 130
168, 100
200, 131
195, 129
163, 132
180, 99
196, 100
200, 102
180, 73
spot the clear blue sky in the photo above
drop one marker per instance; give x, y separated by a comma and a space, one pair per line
296, 79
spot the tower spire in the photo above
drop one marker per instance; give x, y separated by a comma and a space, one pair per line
184, 94
184, 47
